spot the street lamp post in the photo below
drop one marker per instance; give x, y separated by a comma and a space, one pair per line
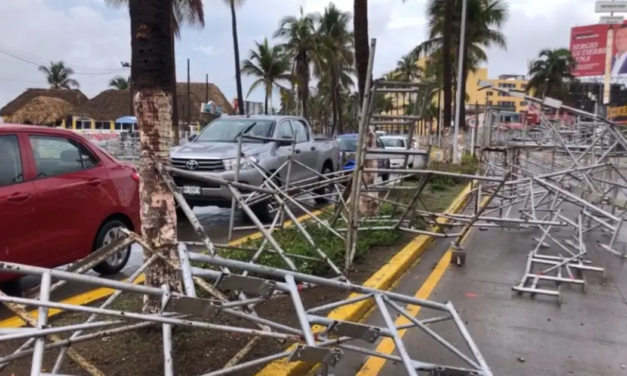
460, 75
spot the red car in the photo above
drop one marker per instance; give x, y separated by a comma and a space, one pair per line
61, 198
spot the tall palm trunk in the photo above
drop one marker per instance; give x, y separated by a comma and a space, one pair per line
447, 72
362, 48
462, 112
175, 105
151, 69
238, 75
303, 69
268, 92
338, 98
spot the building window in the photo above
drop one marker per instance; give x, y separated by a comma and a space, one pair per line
523, 86
490, 103
103, 125
502, 94
490, 93
523, 103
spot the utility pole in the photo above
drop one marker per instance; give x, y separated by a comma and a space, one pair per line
189, 101
207, 88
460, 75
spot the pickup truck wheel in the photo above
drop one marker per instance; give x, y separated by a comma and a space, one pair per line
324, 190
262, 211
108, 233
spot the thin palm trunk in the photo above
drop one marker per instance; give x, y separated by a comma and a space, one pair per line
238, 75
175, 106
304, 89
465, 72
338, 98
362, 47
265, 106
447, 72
151, 69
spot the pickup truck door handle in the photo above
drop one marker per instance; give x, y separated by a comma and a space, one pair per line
94, 182
18, 197
313, 148
297, 151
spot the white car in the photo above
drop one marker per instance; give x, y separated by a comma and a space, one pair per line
400, 143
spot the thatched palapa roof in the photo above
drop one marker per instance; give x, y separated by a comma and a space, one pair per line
74, 97
113, 104
41, 111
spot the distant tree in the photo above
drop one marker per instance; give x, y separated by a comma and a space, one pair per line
551, 73
120, 83
59, 76
270, 65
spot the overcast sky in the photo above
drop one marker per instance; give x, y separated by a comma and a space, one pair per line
93, 39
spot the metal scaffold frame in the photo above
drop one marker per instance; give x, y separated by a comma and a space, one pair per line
235, 288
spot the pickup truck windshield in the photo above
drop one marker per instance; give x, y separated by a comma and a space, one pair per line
224, 130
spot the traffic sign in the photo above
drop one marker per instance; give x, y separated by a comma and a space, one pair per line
611, 6
611, 20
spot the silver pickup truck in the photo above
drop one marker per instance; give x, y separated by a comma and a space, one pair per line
214, 151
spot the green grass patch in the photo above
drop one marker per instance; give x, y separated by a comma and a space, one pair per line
436, 197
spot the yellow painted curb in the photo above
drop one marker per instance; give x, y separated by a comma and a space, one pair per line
383, 279
100, 293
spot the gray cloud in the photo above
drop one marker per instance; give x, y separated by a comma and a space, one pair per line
94, 39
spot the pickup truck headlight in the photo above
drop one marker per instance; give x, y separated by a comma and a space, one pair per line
230, 164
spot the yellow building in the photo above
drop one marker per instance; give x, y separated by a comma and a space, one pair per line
475, 98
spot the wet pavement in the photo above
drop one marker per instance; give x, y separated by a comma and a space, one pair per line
516, 334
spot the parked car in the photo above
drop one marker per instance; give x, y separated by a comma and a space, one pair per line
61, 198
348, 147
214, 152
400, 143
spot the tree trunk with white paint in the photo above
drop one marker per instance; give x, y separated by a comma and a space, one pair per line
152, 64
368, 205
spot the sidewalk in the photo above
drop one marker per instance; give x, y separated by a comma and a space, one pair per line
517, 335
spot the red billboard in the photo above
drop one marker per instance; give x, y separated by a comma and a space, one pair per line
588, 45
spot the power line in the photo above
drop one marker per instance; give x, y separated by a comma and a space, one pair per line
39, 61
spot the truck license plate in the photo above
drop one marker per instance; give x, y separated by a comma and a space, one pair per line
191, 190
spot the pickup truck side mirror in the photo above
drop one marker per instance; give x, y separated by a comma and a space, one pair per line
192, 137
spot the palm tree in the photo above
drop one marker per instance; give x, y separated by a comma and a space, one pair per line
335, 54
484, 20
58, 76
151, 68
120, 83
233, 4
270, 65
551, 72
407, 69
190, 12
300, 45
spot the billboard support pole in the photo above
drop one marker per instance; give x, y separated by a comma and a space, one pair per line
608, 65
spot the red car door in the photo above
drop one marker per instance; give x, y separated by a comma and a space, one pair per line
72, 188
18, 235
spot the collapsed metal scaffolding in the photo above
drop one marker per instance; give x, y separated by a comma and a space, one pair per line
236, 287
564, 181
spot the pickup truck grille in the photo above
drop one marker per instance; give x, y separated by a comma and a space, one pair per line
181, 182
203, 165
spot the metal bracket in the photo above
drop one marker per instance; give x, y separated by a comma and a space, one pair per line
247, 285
353, 330
313, 354
192, 306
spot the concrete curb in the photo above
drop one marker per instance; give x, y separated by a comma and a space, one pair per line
100, 293
383, 279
